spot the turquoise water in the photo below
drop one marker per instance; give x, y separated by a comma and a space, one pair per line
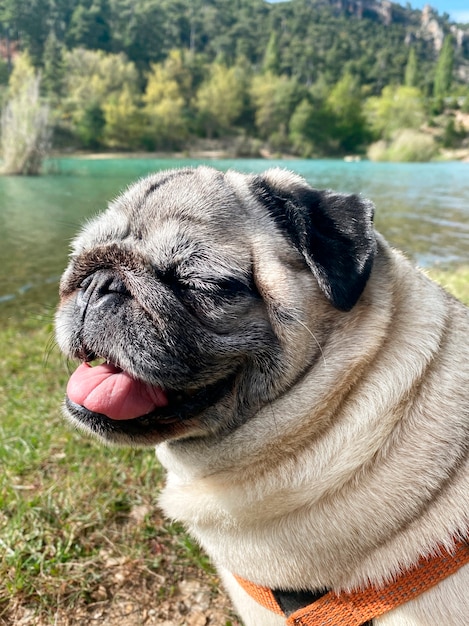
421, 208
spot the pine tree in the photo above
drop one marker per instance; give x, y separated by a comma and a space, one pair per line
411, 71
444, 69
54, 67
271, 62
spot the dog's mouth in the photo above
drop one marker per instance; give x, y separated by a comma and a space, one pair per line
110, 391
108, 401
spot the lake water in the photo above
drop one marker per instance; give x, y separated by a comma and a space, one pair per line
421, 208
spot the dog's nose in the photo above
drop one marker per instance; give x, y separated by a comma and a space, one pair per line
102, 288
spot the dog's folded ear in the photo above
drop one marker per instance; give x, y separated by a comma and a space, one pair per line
334, 232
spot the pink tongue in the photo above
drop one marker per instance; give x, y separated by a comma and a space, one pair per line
108, 390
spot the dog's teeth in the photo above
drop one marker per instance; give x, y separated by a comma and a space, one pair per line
98, 361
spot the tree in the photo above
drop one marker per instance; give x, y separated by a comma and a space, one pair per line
411, 72
183, 67
139, 30
93, 78
3, 74
395, 109
444, 69
274, 98
345, 103
164, 109
310, 127
271, 62
123, 120
23, 71
53, 73
408, 145
220, 99
453, 134
25, 124
89, 125
29, 22
90, 26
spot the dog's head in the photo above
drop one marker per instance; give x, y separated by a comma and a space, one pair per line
205, 296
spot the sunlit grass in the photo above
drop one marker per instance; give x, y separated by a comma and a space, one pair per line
456, 281
68, 506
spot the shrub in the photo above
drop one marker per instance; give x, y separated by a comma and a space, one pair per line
410, 145
377, 151
25, 129
407, 145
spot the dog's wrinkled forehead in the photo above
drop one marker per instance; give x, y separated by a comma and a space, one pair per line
159, 216
200, 194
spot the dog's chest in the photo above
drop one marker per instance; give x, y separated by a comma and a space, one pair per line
264, 539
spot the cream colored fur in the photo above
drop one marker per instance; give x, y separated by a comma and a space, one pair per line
348, 477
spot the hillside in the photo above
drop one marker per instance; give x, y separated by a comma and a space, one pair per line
301, 76
371, 37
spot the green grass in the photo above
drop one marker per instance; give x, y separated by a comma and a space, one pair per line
456, 281
70, 508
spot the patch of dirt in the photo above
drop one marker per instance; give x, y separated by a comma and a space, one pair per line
133, 599
177, 588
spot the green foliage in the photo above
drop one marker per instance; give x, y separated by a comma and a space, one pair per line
274, 98
95, 83
346, 105
313, 123
90, 26
3, 72
397, 108
330, 121
406, 146
444, 69
411, 70
123, 120
160, 73
453, 135
23, 72
271, 62
308, 132
89, 125
28, 21
25, 123
53, 73
220, 99
165, 105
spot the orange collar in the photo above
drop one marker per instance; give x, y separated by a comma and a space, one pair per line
357, 607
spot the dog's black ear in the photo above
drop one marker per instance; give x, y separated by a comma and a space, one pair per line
334, 232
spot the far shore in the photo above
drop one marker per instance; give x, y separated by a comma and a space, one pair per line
224, 152
220, 153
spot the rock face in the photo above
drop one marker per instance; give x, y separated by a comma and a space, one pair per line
366, 8
430, 27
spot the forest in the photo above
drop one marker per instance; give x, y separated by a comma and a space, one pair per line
310, 78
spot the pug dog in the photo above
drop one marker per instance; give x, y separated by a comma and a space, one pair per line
306, 387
